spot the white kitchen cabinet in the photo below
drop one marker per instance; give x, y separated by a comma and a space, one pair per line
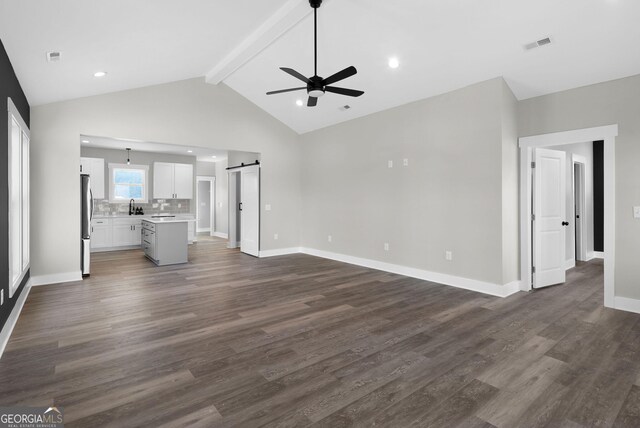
183, 181
163, 180
95, 168
172, 180
101, 234
126, 232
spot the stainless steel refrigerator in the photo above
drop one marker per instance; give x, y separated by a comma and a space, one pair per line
86, 214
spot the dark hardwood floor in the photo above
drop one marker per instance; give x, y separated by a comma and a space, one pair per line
230, 340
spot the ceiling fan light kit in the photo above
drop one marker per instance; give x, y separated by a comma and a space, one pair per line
316, 85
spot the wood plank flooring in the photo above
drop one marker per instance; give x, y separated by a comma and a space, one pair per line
230, 340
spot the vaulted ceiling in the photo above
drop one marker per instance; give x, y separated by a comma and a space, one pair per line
440, 46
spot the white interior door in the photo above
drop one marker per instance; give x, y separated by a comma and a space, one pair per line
549, 207
250, 210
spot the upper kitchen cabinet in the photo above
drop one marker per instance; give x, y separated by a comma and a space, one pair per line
172, 180
95, 168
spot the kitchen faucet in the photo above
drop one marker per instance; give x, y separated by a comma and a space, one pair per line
131, 206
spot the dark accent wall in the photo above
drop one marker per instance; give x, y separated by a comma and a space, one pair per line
9, 88
598, 195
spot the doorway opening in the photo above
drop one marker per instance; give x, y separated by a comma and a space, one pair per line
205, 204
534, 179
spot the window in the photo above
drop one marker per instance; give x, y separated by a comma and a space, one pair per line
128, 182
18, 198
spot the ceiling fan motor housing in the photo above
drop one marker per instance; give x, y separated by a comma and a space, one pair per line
315, 87
315, 3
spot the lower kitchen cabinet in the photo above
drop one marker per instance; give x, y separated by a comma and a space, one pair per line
101, 234
115, 233
126, 232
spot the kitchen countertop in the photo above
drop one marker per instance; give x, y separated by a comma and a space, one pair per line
158, 220
147, 216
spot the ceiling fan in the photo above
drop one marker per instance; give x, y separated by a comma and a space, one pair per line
316, 85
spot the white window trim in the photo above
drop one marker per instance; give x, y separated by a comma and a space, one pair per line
112, 167
14, 114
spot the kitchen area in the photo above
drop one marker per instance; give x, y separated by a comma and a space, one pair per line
142, 196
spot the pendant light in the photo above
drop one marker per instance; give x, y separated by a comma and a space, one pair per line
128, 156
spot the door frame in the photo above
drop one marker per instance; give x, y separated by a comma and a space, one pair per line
212, 202
581, 254
606, 133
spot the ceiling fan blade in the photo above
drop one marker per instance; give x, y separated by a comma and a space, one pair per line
340, 75
344, 91
285, 90
312, 102
295, 74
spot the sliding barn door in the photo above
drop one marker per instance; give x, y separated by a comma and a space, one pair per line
549, 207
250, 210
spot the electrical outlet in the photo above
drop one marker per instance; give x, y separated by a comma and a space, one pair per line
329, 238
267, 207
275, 236
179, 205
448, 255
636, 212
405, 162
386, 246
390, 164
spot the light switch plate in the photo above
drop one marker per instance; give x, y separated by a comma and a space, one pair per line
275, 236
448, 255
405, 162
329, 238
1, 297
636, 212
267, 207
390, 164
386, 246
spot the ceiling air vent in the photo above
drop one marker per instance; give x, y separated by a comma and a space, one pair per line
537, 44
53, 56
345, 107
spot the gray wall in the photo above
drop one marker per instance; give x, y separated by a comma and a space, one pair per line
206, 168
615, 102
191, 113
510, 189
137, 158
450, 197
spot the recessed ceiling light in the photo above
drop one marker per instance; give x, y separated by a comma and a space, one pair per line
394, 63
85, 141
99, 74
299, 103
214, 157
189, 151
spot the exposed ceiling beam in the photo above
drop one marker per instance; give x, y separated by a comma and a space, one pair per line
279, 23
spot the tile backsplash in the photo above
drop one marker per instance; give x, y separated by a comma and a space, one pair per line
169, 206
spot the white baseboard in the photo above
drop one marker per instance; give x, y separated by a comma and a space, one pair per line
203, 229
279, 252
56, 278
440, 278
5, 334
626, 304
569, 264
598, 255
221, 235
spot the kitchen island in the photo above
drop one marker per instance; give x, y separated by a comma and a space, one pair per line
165, 240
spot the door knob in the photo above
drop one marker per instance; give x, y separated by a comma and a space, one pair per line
565, 223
